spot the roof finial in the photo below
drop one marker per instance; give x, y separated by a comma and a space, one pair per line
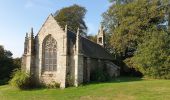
32, 32
26, 36
31, 29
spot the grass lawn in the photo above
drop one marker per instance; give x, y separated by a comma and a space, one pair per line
119, 89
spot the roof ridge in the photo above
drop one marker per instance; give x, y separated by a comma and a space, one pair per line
92, 41
85, 38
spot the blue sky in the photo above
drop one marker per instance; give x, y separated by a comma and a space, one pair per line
18, 16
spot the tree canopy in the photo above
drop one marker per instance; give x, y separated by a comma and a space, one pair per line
92, 37
7, 65
152, 57
130, 21
121, 1
72, 16
135, 27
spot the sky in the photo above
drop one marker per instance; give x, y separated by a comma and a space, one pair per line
18, 16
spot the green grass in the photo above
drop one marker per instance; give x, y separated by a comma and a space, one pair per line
120, 89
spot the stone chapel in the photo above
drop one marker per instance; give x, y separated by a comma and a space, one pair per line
55, 54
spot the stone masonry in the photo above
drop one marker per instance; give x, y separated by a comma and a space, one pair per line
55, 55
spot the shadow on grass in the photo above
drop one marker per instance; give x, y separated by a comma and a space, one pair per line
118, 80
35, 88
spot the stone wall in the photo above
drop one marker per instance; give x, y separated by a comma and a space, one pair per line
71, 62
51, 27
70, 75
91, 65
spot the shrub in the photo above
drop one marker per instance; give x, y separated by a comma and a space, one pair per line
52, 85
69, 80
20, 79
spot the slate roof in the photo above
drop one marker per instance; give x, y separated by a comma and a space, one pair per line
90, 49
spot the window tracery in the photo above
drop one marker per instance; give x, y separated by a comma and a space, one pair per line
49, 54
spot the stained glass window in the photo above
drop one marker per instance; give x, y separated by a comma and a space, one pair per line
49, 54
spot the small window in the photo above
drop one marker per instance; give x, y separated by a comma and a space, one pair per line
100, 40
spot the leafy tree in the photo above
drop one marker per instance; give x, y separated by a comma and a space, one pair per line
6, 65
121, 1
128, 22
152, 57
17, 63
72, 16
92, 38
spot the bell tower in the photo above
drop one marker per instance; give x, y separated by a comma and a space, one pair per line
101, 37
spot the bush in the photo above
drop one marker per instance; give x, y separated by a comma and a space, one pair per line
52, 85
20, 79
69, 80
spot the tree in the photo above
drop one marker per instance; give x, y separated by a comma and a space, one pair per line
6, 65
92, 38
121, 1
152, 57
128, 22
17, 63
72, 16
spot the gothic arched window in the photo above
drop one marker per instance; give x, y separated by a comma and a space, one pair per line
49, 54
